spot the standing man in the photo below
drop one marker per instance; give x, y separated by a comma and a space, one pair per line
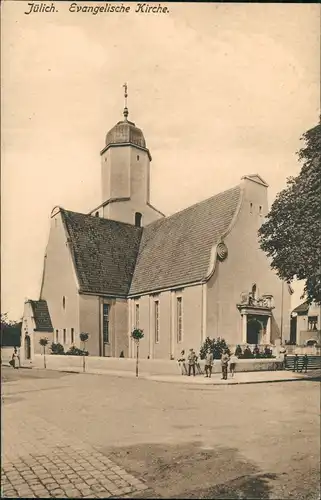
282, 357
305, 363
208, 363
296, 363
191, 362
224, 362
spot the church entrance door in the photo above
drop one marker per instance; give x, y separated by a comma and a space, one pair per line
254, 328
27, 347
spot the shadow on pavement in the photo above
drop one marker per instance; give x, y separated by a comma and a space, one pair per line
252, 486
189, 470
8, 374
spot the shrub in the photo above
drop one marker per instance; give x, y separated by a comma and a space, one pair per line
261, 355
57, 348
75, 351
137, 334
84, 336
238, 351
217, 346
44, 342
247, 354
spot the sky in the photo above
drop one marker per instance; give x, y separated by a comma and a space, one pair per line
219, 90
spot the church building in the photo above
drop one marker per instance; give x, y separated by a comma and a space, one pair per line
195, 274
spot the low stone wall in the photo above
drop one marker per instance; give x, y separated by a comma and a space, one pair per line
146, 366
247, 365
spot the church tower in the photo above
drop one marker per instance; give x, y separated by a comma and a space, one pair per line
125, 175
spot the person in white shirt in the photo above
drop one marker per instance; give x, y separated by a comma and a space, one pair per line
233, 361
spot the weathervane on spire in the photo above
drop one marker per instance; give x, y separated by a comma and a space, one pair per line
125, 95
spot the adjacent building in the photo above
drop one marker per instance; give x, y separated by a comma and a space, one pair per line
306, 324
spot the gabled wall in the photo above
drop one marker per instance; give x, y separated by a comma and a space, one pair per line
245, 265
59, 280
28, 328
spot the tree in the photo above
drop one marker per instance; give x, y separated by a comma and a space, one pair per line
44, 342
137, 335
216, 346
10, 331
84, 337
291, 235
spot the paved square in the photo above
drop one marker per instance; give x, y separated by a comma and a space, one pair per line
40, 459
94, 436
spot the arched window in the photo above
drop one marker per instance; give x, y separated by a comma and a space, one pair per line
138, 219
97, 214
64, 302
251, 208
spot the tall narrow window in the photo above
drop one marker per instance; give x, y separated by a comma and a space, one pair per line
97, 214
106, 323
138, 219
64, 302
57, 336
64, 336
312, 322
251, 208
260, 210
72, 333
179, 325
136, 315
156, 312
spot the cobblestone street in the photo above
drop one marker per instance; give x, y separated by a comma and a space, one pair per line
92, 436
40, 460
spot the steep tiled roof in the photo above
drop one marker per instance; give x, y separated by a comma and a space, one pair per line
120, 259
104, 252
176, 250
302, 308
41, 315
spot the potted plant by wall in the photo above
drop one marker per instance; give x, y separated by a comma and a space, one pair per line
44, 342
137, 335
83, 338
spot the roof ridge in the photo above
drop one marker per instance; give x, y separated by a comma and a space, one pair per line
99, 218
194, 205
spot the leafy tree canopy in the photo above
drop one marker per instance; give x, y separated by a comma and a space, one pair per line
8, 323
291, 235
10, 331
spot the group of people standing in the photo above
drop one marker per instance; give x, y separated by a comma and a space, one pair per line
227, 361
304, 365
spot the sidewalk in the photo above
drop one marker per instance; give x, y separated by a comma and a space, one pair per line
257, 377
